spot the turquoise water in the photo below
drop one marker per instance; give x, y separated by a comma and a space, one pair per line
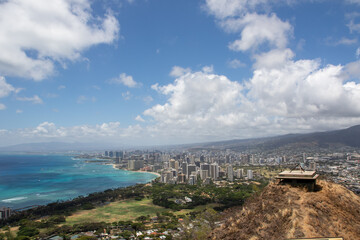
40, 179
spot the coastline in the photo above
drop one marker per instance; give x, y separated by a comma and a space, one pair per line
115, 167
39, 193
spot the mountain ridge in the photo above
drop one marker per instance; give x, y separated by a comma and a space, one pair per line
285, 212
349, 137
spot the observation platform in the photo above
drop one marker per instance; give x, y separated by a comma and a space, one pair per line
299, 177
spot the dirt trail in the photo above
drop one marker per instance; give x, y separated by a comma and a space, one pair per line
283, 212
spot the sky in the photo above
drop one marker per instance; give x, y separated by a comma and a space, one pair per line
152, 72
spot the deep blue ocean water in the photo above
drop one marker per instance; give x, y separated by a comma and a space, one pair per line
40, 179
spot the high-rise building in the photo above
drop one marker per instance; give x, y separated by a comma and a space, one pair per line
106, 153
166, 177
181, 178
204, 174
135, 164
192, 179
172, 163
5, 213
119, 154
240, 173
214, 171
176, 165
184, 168
250, 174
230, 173
111, 154
205, 166
190, 169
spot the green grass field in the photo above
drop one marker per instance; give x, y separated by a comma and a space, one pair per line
116, 211
125, 210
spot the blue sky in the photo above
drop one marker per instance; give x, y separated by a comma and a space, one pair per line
161, 72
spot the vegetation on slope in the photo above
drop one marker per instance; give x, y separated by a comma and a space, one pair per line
283, 212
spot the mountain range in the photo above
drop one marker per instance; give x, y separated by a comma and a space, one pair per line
349, 137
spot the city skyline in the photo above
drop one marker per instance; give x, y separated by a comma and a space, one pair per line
142, 72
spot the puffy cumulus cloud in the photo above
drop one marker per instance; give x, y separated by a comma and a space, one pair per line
240, 16
177, 71
273, 59
196, 102
35, 34
139, 118
298, 96
302, 89
2, 106
257, 30
126, 80
230, 8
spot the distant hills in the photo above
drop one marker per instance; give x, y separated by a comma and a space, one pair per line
349, 137
285, 212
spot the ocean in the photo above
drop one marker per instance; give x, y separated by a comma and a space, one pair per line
27, 180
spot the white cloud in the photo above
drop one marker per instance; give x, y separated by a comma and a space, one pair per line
35, 34
230, 8
5, 88
2, 106
257, 30
236, 63
191, 106
35, 99
19, 111
273, 59
353, 69
357, 52
139, 118
61, 87
49, 131
297, 96
127, 80
177, 71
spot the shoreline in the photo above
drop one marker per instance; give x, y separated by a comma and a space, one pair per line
115, 167
42, 200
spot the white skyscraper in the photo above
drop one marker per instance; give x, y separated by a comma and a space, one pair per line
250, 174
214, 171
230, 173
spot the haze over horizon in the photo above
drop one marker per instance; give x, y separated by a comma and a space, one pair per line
171, 72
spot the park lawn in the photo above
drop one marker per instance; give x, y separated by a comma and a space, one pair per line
197, 208
13, 230
116, 211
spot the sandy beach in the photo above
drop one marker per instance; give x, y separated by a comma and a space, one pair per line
115, 166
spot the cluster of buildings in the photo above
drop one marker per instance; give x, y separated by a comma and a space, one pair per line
185, 167
190, 172
5, 212
206, 165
